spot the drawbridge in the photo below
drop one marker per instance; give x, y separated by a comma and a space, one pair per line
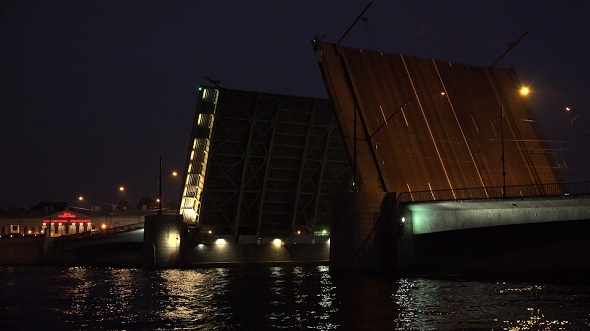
418, 124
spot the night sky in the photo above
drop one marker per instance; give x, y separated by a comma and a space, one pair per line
94, 92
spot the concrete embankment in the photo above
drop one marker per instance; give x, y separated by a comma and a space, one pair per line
236, 254
23, 250
113, 251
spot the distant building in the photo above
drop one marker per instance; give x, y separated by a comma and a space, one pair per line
67, 222
21, 222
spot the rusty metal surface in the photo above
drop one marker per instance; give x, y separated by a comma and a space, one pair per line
448, 136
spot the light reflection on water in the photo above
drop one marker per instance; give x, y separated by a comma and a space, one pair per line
279, 297
427, 304
194, 297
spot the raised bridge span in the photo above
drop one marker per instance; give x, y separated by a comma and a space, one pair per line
427, 127
468, 152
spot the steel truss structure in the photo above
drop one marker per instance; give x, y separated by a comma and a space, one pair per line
263, 164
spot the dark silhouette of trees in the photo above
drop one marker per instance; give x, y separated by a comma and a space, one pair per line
123, 204
50, 207
149, 203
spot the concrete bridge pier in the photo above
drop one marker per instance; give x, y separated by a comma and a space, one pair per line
164, 241
364, 232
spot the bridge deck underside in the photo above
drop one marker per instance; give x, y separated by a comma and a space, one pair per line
449, 133
274, 162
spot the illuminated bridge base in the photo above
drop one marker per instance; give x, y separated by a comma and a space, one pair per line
222, 253
432, 217
164, 240
540, 236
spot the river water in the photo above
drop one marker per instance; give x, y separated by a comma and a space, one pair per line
278, 298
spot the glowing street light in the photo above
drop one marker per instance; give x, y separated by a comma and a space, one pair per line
121, 188
159, 199
81, 200
524, 91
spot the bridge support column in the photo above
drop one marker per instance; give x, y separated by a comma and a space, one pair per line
163, 241
363, 234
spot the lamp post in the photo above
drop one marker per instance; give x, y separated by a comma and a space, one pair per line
160, 189
390, 117
502, 157
173, 173
50, 210
524, 91
400, 108
369, 137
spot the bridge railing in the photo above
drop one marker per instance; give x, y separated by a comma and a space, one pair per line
497, 192
123, 228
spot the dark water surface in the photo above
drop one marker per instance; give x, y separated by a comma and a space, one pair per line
278, 298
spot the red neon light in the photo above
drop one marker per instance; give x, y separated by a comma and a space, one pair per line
67, 214
71, 221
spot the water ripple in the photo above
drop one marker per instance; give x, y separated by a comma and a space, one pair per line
280, 297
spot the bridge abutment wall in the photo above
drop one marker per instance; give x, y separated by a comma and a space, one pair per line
164, 241
538, 235
363, 233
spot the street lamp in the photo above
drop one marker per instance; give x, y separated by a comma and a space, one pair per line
524, 91
368, 139
502, 157
82, 203
370, 136
159, 200
390, 117
400, 108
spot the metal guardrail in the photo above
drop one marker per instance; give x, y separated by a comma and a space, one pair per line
497, 192
124, 228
